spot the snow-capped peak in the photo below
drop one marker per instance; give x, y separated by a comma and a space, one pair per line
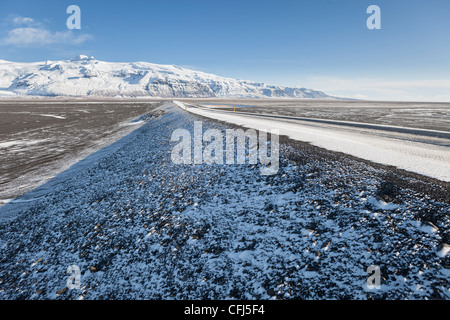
86, 76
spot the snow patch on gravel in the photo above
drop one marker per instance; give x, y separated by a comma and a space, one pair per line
141, 227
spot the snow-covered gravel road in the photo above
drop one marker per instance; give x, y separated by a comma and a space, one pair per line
140, 227
422, 151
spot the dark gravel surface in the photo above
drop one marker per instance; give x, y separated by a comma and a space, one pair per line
140, 227
36, 139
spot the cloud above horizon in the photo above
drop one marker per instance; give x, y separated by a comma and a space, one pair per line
26, 32
18, 20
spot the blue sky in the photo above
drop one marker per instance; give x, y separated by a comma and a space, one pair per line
320, 44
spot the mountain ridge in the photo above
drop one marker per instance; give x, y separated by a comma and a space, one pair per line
85, 76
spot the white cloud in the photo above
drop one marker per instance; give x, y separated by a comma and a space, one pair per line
18, 20
28, 37
27, 32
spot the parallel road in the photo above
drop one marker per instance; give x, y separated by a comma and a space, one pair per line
422, 151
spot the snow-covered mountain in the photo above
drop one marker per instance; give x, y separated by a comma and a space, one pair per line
86, 76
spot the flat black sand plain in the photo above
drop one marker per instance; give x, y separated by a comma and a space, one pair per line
41, 138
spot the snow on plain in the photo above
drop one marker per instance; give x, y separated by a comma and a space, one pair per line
19, 143
33, 157
52, 116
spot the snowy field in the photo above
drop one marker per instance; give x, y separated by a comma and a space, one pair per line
419, 150
39, 139
422, 115
140, 227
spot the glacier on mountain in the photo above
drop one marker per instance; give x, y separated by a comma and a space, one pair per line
85, 76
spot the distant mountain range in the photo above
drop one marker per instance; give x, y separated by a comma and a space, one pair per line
85, 76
